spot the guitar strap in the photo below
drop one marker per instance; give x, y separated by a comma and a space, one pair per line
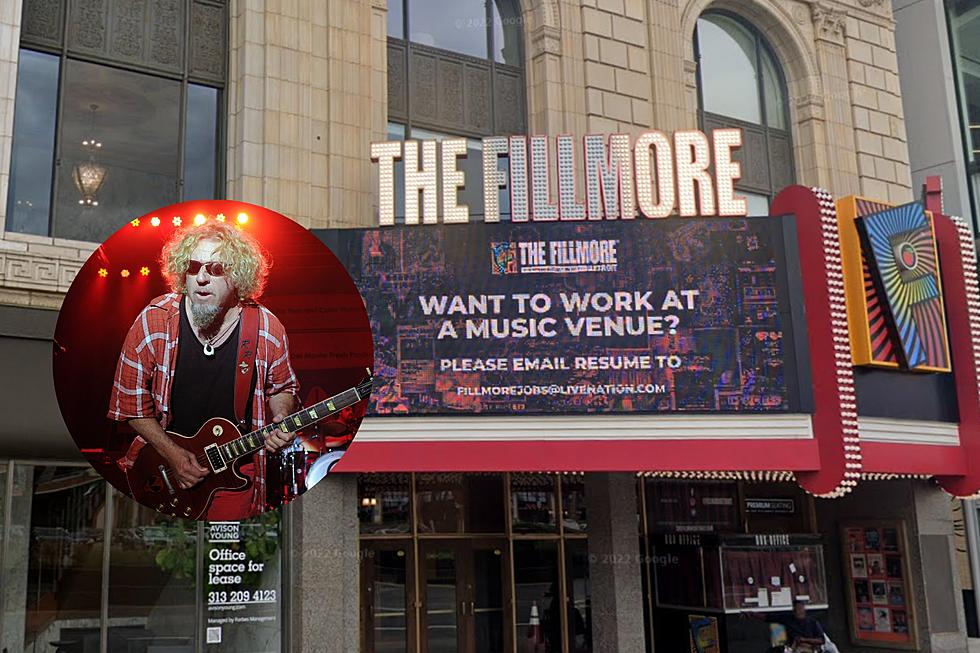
245, 363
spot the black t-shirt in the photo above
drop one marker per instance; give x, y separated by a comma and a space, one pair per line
203, 387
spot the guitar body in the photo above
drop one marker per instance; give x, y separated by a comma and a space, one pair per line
153, 484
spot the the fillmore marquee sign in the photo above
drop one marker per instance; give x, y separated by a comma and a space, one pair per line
653, 176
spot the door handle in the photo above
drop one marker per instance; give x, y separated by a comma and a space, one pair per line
462, 607
472, 607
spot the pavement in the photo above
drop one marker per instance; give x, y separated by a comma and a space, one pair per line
974, 645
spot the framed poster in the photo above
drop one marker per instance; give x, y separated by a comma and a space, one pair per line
879, 595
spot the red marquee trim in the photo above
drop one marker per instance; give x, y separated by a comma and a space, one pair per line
959, 271
835, 424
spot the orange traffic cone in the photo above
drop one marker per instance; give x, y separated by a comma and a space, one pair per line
534, 629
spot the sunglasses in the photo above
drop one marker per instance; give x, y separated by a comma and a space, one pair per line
214, 269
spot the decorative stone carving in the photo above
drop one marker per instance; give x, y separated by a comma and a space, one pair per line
828, 24
166, 32
545, 40
128, 18
870, 3
88, 25
208, 40
42, 22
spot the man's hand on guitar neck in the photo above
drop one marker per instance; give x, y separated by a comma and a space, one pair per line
185, 467
281, 406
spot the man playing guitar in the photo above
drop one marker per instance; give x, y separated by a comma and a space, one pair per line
206, 350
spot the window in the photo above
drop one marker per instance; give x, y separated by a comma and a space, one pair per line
117, 113
84, 568
740, 84
964, 29
461, 69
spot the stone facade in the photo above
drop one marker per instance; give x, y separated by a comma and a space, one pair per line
307, 93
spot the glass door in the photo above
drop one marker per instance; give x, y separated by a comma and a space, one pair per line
465, 596
443, 603
386, 595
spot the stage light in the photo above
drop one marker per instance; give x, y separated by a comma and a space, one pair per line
135, 222
124, 273
220, 217
103, 273
242, 218
155, 221
199, 219
177, 221
145, 271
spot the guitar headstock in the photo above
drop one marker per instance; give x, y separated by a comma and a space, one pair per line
364, 387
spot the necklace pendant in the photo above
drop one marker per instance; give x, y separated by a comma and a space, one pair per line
208, 350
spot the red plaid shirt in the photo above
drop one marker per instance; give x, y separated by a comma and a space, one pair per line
145, 372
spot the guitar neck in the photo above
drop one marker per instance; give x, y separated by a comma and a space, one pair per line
252, 442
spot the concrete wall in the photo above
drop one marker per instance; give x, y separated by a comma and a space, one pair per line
929, 98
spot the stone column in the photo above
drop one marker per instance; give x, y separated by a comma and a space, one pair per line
324, 578
306, 96
614, 568
936, 595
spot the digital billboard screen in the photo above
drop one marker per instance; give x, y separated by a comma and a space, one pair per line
683, 315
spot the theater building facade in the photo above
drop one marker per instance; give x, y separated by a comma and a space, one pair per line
665, 336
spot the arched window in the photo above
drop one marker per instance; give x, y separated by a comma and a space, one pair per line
740, 84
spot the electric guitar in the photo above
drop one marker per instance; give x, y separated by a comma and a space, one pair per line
221, 448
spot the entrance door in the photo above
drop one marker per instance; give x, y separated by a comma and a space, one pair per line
464, 596
386, 590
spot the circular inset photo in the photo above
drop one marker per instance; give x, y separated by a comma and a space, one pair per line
212, 360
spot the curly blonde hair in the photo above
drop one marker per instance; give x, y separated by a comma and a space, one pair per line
246, 263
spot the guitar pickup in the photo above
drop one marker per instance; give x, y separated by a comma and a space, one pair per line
217, 463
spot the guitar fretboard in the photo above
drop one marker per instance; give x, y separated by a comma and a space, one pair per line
252, 442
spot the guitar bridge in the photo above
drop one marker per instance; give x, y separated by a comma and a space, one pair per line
166, 479
217, 463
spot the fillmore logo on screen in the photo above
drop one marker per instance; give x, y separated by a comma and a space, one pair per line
554, 256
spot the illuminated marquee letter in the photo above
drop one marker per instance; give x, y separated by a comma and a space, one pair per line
493, 177
421, 180
452, 179
569, 207
654, 144
541, 206
518, 178
385, 154
727, 172
609, 177
693, 158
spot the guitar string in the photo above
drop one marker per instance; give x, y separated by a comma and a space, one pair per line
270, 427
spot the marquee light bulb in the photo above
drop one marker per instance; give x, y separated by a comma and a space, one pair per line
124, 273
242, 218
145, 271
135, 222
199, 219
176, 220
220, 217
155, 221
103, 273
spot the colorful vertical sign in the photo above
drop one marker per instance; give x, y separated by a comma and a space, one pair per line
894, 290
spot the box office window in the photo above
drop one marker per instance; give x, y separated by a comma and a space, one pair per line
117, 112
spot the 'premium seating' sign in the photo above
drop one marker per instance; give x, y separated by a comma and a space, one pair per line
690, 174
